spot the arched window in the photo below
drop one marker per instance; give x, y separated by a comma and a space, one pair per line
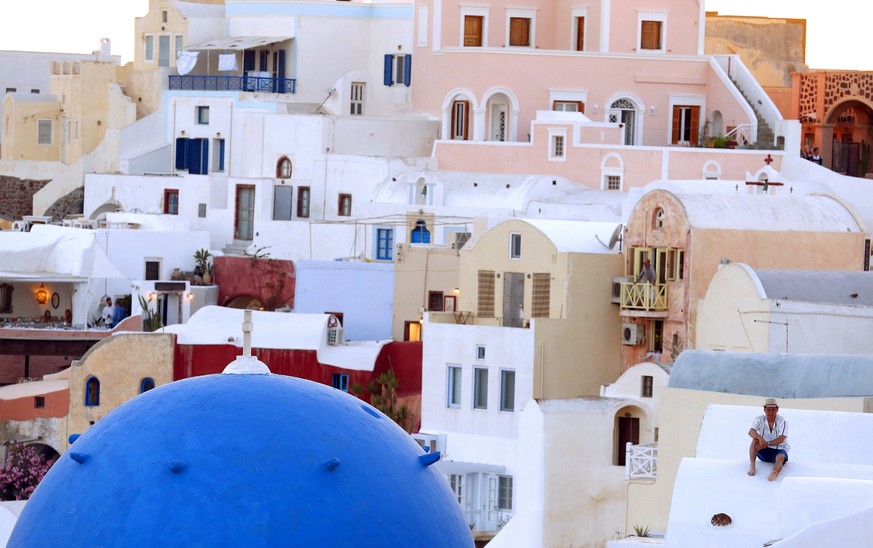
420, 234
92, 392
283, 168
147, 384
658, 218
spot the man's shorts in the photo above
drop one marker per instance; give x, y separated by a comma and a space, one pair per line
768, 454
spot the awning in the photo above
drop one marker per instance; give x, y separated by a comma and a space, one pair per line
462, 467
238, 43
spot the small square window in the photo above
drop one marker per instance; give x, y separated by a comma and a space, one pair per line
163, 17
303, 202
647, 384
152, 270
556, 150
39, 402
340, 381
480, 351
613, 182
344, 208
171, 202
203, 115
201, 211
34, 91
11, 90
435, 301
356, 103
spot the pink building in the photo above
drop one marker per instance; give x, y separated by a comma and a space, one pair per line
586, 91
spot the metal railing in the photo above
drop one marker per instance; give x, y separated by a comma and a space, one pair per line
641, 461
643, 296
233, 83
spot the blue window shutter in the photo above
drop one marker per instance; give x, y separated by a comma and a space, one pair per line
182, 153
194, 149
407, 70
221, 155
204, 156
389, 69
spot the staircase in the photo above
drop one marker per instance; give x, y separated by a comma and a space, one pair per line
236, 247
766, 137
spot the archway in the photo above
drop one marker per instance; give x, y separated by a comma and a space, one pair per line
624, 111
630, 424
245, 302
716, 124
848, 124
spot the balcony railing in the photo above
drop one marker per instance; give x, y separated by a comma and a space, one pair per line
641, 461
643, 296
259, 84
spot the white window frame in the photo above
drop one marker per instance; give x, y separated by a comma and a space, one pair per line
415, 189
356, 99
145, 48
398, 69
652, 16
502, 394
421, 32
575, 13
477, 404
199, 112
513, 238
568, 96
557, 135
453, 386
480, 352
476, 12
178, 47
684, 100
607, 170
522, 14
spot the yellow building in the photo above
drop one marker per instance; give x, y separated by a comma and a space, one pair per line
114, 371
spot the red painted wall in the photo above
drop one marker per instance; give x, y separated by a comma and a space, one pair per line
271, 281
57, 404
403, 357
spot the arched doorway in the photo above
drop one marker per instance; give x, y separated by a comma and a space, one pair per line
630, 422
245, 302
623, 111
498, 117
849, 123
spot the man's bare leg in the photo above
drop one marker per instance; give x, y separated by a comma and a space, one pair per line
777, 467
753, 454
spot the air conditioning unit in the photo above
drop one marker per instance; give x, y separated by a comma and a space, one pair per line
632, 334
460, 239
616, 287
335, 336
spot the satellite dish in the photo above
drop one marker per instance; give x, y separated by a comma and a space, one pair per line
616, 236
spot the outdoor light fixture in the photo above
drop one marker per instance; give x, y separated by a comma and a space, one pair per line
652, 111
42, 295
189, 296
457, 291
153, 296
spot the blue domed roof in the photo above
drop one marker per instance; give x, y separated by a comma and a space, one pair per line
243, 460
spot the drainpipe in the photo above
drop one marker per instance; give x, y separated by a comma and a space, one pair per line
6, 445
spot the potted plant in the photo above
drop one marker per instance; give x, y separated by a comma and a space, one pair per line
204, 265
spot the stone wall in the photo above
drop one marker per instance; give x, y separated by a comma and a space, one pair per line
71, 204
18, 196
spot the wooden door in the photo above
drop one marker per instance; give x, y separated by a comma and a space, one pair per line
473, 30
